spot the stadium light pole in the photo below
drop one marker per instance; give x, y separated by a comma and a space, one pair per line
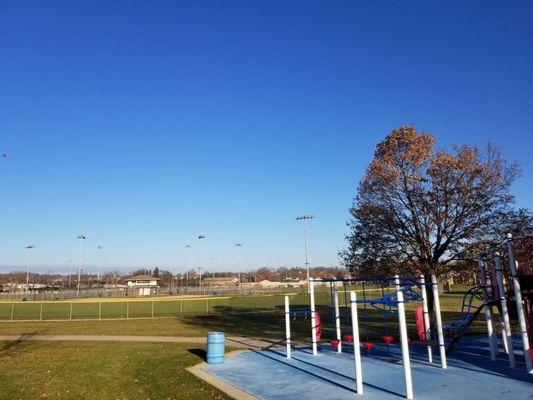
100, 247
188, 255
304, 218
239, 247
200, 237
200, 277
82, 238
29, 247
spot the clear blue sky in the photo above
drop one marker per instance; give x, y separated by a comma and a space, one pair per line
142, 124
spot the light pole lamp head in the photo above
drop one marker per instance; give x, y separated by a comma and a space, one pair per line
31, 246
188, 246
302, 217
238, 244
201, 237
82, 237
100, 247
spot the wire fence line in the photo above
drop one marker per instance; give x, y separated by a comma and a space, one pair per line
125, 308
139, 308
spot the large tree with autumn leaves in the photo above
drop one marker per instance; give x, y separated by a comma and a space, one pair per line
423, 210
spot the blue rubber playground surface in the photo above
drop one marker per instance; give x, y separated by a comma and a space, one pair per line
471, 374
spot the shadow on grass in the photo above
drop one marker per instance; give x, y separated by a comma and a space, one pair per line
269, 322
200, 353
258, 322
11, 344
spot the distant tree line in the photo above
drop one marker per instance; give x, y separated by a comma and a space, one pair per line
167, 278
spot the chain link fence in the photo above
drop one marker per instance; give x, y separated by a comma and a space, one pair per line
144, 308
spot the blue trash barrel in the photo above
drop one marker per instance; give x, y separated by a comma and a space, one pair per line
215, 347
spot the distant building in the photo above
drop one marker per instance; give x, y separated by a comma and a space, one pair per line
227, 281
143, 285
266, 284
32, 287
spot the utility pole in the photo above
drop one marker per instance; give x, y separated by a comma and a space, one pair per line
82, 238
304, 218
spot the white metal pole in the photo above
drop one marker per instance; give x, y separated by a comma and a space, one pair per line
313, 316
287, 327
438, 318
489, 317
425, 310
337, 317
519, 304
356, 345
505, 313
404, 340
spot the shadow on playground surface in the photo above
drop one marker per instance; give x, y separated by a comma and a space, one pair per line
470, 375
269, 322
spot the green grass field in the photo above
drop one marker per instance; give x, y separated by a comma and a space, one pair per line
137, 308
161, 307
100, 371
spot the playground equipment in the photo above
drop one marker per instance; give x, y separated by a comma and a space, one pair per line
524, 307
406, 289
494, 293
294, 313
469, 312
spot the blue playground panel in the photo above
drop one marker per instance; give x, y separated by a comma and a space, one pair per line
471, 374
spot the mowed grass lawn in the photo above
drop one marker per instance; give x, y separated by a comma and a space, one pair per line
101, 371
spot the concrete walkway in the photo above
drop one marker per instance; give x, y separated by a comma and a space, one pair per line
231, 341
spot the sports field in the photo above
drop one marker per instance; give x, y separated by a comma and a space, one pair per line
113, 308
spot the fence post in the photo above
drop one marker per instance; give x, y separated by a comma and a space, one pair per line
127, 309
70, 315
41, 313
181, 307
12, 310
207, 306
152, 309
100, 310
